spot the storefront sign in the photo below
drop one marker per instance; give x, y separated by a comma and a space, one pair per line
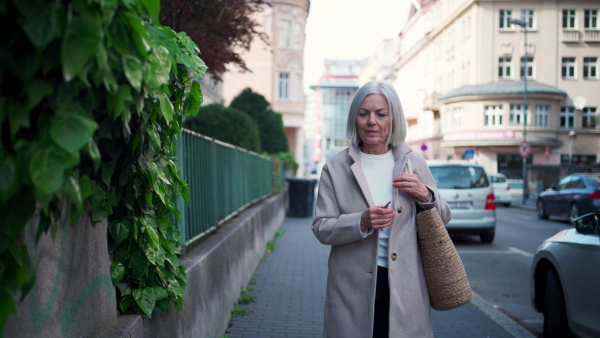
480, 135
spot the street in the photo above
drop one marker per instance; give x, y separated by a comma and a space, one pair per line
499, 272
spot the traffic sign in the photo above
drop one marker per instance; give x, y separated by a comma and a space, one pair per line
524, 149
469, 154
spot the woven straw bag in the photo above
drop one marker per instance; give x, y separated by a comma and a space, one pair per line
445, 274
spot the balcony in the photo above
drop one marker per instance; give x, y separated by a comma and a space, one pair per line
431, 102
591, 35
570, 35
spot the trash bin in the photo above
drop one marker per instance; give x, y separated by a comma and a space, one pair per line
301, 196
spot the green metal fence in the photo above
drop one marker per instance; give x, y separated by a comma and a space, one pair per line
223, 180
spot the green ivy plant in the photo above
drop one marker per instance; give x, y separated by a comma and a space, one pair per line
92, 96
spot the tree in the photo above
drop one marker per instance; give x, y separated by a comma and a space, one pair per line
220, 28
270, 123
226, 124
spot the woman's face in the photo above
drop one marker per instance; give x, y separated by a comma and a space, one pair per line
373, 121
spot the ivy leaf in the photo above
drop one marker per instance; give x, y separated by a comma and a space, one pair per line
120, 230
79, 44
9, 181
191, 105
117, 100
157, 71
71, 131
85, 184
133, 71
15, 213
125, 303
101, 212
166, 107
144, 299
138, 263
152, 8
108, 168
36, 91
72, 189
154, 136
158, 293
47, 167
7, 306
92, 149
117, 272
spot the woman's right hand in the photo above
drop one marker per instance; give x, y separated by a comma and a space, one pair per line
376, 218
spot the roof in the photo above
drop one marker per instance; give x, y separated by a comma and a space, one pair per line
504, 87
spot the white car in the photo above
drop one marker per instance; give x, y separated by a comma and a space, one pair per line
501, 189
468, 191
565, 276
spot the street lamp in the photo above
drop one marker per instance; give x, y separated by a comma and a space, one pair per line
571, 137
523, 24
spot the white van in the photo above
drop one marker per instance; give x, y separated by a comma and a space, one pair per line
468, 190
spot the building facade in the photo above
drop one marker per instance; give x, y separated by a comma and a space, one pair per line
460, 76
328, 106
277, 67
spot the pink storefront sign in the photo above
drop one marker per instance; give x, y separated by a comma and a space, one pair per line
480, 135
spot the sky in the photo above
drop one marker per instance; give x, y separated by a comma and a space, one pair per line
348, 29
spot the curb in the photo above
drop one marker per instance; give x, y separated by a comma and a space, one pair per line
500, 318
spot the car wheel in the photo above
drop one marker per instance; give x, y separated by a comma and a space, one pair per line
573, 213
487, 238
555, 310
541, 213
507, 204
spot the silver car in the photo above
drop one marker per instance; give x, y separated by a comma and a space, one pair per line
565, 277
468, 190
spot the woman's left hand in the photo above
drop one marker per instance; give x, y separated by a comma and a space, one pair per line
411, 184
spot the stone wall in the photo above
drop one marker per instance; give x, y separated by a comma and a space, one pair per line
74, 296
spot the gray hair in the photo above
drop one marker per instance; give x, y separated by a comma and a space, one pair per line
398, 127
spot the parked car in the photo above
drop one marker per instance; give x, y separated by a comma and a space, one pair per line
501, 189
467, 189
564, 280
574, 195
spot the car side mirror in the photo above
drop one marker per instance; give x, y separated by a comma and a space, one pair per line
588, 224
554, 187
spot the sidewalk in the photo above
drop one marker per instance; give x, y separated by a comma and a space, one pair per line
290, 290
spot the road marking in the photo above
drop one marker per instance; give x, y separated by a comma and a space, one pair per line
511, 251
521, 252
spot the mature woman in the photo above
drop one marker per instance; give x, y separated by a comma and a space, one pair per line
376, 286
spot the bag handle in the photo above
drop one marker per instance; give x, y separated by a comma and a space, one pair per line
409, 170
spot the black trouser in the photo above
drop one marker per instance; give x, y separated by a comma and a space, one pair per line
381, 326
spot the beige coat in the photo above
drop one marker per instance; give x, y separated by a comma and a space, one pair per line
349, 306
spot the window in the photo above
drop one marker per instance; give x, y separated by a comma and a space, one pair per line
589, 119
517, 116
505, 15
457, 117
504, 68
284, 86
590, 20
493, 116
284, 34
298, 34
542, 114
529, 66
567, 117
528, 16
590, 68
568, 19
568, 68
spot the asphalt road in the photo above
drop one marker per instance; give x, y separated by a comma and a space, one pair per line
500, 271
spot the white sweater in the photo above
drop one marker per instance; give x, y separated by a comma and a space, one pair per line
379, 170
